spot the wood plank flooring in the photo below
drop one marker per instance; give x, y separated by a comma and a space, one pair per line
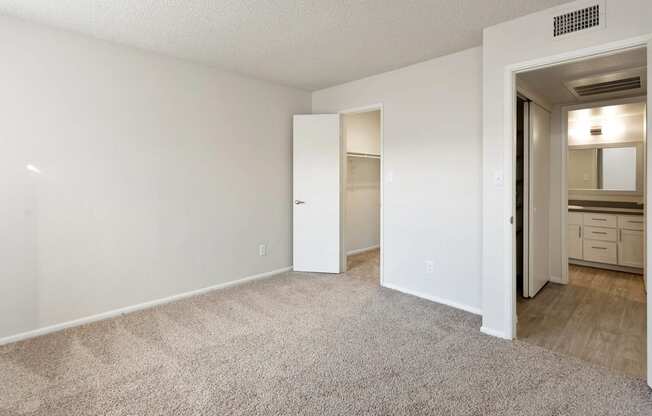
598, 317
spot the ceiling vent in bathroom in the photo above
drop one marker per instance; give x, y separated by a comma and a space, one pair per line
626, 83
576, 20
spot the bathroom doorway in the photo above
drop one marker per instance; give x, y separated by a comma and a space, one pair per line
584, 188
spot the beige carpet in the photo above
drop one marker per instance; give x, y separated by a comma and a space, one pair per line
303, 344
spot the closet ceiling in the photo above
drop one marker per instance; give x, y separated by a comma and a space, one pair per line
308, 44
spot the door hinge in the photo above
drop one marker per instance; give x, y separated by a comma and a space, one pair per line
511, 220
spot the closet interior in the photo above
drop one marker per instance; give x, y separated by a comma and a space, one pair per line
362, 139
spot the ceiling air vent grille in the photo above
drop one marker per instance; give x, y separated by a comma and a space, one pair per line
577, 20
619, 85
628, 82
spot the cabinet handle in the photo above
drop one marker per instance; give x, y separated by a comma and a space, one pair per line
579, 229
599, 248
599, 219
598, 232
620, 235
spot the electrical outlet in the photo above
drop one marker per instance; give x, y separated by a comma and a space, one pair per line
262, 250
430, 266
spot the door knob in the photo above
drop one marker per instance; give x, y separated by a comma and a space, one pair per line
297, 202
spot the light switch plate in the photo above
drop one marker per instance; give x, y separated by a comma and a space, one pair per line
499, 179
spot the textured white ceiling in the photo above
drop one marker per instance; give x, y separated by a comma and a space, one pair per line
306, 44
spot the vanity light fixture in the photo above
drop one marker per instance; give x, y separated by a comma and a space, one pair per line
32, 168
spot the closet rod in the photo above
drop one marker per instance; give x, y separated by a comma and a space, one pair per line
365, 155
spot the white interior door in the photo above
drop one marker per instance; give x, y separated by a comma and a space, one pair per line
648, 200
538, 193
316, 193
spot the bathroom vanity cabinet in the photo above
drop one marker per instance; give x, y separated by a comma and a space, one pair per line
606, 239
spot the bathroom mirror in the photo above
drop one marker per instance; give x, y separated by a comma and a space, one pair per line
603, 168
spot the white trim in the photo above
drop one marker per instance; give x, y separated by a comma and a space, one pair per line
133, 308
563, 186
493, 333
456, 305
607, 266
366, 109
509, 91
362, 250
648, 223
579, 55
362, 109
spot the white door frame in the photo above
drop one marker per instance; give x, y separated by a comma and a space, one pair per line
364, 109
509, 161
526, 200
564, 161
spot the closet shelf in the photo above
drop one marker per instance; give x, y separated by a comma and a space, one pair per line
362, 155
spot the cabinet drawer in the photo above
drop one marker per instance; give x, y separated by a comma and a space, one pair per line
631, 222
600, 251
575, 218
600, 233
600, 220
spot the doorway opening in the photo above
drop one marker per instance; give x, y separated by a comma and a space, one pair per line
337, 193
520, 190
579, 193
361, 234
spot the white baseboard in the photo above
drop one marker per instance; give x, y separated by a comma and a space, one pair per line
556, 279
493, 332
145, 305
456, 305
362, 250
615, 267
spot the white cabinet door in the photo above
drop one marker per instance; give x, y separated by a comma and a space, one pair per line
574, 241
630, 248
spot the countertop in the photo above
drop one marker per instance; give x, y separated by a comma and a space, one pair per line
610, 210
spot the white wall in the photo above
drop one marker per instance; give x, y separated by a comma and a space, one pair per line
554, 209
503, 47
432, 166
362, 217
623, 129
361, 132
158, 176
